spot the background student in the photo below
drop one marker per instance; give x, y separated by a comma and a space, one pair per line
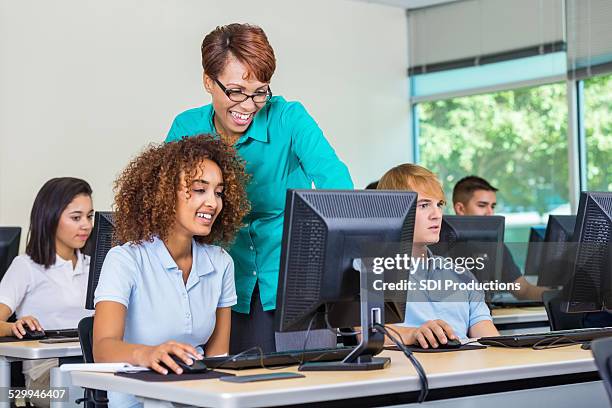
46, 287
432, 318
168, 288
283, 148
473, 195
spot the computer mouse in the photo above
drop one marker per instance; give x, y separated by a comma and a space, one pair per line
586, 345
33, 334
197, 367
450, 344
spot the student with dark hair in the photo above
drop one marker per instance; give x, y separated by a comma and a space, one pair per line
46, 287
372, 186
473, 195
283, 147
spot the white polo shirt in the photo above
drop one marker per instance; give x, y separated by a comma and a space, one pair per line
55, 296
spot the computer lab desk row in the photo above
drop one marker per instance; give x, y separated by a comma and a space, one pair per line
34, 350
520, 320
508, 321
559, 377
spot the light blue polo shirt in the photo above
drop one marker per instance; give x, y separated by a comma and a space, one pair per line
461, 309
160, 307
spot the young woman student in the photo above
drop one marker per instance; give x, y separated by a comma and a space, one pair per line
46, 286
168, 288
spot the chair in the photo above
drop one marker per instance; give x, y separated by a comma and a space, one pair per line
91, 398
602, 351
558, 319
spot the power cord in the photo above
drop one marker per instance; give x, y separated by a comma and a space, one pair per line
408, 353
543, 344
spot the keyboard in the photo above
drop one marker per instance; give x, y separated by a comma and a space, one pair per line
549, 338
514, 304
507, 300
61, 333
281, 358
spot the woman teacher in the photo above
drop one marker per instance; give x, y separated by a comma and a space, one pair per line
282, 147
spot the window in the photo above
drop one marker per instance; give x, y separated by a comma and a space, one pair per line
516, 139
598, 132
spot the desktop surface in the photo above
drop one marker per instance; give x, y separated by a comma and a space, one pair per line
34, 349
452, 369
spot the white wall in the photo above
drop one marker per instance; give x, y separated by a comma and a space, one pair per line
85, 85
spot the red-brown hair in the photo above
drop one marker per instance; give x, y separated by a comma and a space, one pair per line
247, 43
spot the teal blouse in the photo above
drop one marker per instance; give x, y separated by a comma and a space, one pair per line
283, 148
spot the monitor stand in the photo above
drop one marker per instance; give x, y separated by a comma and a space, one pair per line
372, 305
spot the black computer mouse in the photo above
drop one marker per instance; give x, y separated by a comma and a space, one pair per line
33, 334
197, 367
586, 345
450, 344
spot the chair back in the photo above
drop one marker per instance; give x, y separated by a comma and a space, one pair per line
86, 338
92, 398
602, 351
557, 318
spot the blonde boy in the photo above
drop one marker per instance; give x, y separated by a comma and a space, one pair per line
433, 321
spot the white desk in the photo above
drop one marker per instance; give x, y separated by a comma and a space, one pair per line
34, 350
454, 377
521, 320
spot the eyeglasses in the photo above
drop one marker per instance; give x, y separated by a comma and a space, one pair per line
239, 96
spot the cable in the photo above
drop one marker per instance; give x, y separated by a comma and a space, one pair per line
261, 359
306, 339
408, 353
553, 344
336, 331
261, 353
543, 344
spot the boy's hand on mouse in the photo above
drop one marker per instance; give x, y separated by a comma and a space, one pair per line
19, 327
432, 333
158, 357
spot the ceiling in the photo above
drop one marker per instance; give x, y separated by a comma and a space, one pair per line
409, 4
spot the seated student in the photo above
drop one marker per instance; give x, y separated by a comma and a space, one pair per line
431, 320
46, 287
168, 289
473, 195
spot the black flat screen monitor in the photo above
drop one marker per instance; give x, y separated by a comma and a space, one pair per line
557, 251
590, 287
331, 240
467, 236
102, 237
324, 232
534, 250
9, 247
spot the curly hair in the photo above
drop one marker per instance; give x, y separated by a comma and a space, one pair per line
146, 190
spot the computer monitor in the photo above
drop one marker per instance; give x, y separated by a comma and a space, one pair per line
9, 247
590, 288
326, 275
474, 236
557, 251
102, 237
535, 250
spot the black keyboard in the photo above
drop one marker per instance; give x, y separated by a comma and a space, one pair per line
549, 338
277, 358
514, 304
61, 333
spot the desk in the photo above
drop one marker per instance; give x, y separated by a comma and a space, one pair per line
520, 320
462, 378
34, 350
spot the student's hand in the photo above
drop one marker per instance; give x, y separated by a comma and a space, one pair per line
154, 356
18, 328
432, 333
